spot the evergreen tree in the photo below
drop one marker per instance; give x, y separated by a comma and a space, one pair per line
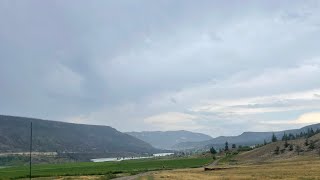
213, 151
301, 134
226, 147
264, 142
306, 143
286, 144
234, 146
312, 132
291, 136
284, 137
274, 138
312, 146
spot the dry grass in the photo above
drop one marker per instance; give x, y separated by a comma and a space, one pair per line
293, 169
266, 153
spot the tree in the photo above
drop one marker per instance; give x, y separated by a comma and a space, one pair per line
264, 142
312, 146
291, 136
213, 151
301, 134
312, 132
226, 148
286, 144
284, 137
234, 146
306, 143
274, 138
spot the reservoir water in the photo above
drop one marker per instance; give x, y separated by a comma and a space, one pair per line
130, 158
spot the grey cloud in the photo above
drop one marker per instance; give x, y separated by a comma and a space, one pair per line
85, 59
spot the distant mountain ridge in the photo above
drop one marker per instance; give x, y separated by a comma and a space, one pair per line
167, 139
246, 138
51, 136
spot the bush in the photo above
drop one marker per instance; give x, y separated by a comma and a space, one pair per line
290, 147
298, 149
276, 151
312, 146
306, 143
244, 148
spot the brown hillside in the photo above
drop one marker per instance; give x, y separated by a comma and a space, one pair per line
267, 152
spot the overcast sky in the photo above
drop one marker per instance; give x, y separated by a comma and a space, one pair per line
217, 67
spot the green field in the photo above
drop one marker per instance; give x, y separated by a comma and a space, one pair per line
90, 168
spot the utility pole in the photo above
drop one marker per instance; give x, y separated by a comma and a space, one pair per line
30, 149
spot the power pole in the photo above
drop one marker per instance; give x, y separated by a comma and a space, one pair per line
30, 149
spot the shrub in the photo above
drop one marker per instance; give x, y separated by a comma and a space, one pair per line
290, 147
276, 151
311, 146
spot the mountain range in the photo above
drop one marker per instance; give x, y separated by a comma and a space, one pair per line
54, 136
246, 138
168, 139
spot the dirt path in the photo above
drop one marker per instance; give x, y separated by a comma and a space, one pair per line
214, 163
134, 176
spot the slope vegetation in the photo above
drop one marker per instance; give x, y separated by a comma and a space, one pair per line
269, 152
52, 136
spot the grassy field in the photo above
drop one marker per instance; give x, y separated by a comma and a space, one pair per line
89, 168
291, 169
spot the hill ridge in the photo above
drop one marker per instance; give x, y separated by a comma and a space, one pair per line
52, 136
245, 138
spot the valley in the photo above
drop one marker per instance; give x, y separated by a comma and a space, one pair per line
278, 157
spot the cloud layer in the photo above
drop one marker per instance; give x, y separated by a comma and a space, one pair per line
214, 67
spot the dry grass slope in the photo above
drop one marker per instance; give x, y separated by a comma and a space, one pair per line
266, 153
293, 169
261, 163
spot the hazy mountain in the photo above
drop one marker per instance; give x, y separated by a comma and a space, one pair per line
246, 138
167, 139
66, 137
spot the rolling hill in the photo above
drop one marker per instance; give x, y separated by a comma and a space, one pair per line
267, 152
167, 139
53, 136
246, 138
